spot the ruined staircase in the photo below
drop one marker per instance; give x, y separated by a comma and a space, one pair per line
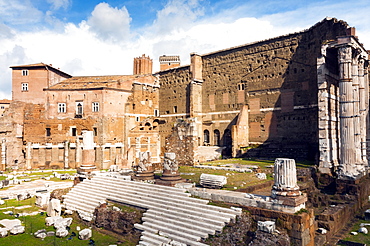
171, 214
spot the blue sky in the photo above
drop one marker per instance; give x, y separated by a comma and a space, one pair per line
92, 37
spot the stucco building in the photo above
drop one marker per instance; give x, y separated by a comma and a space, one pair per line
54, 109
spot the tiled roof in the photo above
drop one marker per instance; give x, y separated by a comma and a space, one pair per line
5, 101
49, 66
89, 82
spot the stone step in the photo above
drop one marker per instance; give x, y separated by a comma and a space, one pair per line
79, 206
150, 194
176, 223
216, 225
146, 186
182, 199
162, 187
188, 210
184, 235
154, 236
192, 223
150, 240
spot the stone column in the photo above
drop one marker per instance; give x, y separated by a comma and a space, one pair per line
362, 107
347, 153
88, 152
78, 153
144, 169
285, 177
28, 155
66, 154
170, 174
356, 110
3, 154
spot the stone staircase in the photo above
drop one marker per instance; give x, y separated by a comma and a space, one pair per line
171, 214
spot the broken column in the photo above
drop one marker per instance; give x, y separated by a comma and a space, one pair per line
144, 168
88, 153
285, 188
3, 154
170, 174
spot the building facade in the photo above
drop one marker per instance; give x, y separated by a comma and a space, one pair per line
266, 99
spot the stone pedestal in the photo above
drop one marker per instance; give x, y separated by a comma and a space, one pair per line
144, 169
285, 188
171, 175
88, 153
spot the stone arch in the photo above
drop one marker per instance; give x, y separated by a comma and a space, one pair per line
206, 137
216, 137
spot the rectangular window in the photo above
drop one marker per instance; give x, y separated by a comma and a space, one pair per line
61, 108
24, 86
73, 131
95, 131
137, 118
48, 132
95, 107
156, 112
24, 72
79, 108
2, 107
175, 109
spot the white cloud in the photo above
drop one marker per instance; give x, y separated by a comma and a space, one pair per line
17, 12
104, 44
57, 4
111, 24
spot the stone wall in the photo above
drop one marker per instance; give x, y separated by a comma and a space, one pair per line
300, 227
275, 78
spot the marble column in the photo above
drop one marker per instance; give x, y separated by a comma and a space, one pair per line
3, 154
285, 178
78, 153
28, 155
362, 107
347, 153
66, 154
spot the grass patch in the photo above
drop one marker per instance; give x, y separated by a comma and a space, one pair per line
360, 237
37, 222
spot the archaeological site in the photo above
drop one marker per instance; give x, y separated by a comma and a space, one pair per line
295, 107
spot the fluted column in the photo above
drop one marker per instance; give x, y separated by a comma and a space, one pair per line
285, 178
356, 110
363, 107
347, 156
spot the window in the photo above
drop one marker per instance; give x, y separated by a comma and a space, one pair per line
24, 72
61, 108
156, 112
137, 118
73, 131
175, 109
79, 108
2, 107
95, 107
24, 86
48, 132
216, 137
95, 131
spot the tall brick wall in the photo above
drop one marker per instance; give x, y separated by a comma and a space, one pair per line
276, 78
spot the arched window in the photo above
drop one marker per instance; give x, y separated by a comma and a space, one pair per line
216, 134
206, 137
227, 138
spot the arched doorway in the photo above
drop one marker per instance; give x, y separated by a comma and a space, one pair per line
206, 137
216, 137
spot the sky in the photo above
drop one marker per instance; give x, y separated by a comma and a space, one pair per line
102, 37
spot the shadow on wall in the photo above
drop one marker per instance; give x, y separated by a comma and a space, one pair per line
289, 128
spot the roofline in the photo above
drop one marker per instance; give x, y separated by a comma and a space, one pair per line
86, 89
37, 65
